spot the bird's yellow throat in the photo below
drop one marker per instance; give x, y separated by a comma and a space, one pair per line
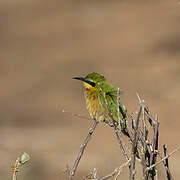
93, 103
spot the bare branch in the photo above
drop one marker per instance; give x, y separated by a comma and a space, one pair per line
134, 146
154, 147
118, 111
120, 121
94, 174
167, 156
117, 170
150, 118
166, 164
82, 148
144, 136
16, 168
75, 114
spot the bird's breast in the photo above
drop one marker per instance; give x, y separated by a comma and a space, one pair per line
93, 105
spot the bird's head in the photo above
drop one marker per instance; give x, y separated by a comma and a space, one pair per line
91, 80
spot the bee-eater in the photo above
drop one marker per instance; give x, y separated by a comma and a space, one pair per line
95, 85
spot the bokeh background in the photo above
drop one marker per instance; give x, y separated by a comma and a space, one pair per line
43, 44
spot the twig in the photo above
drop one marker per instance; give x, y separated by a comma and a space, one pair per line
134, 146
108, 123
120, 121
82, 148
150, 118
167, 156
166, 164
145, 153
74, 114
120, 142
145, 158
94, 174
117, 170
89, 176
156, 174
16, 168
118, 111
154, 148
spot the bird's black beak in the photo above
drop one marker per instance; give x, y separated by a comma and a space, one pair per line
80, 78
85, 80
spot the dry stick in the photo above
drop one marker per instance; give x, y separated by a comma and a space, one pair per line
89, 176
156, 174
118, 112
15, 169
167, 156
161, 158
150, 118
143, 138
117, 176
117, 170
108, 123
75, 114
154, 147
114, 124
145, 161
166, 164
144, 125
82, 148
120, 121
134, 146
152, 121
139, 146
94, 174
145, 154
128, 126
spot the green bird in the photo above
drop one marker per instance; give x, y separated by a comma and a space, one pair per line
98, 92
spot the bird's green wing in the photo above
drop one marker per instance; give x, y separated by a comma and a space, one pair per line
111, 97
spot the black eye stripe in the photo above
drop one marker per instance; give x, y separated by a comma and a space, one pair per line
92, 83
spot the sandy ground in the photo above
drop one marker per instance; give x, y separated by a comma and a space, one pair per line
136, 45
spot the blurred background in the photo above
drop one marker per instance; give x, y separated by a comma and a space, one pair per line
134, 44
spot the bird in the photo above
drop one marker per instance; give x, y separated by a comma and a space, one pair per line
101, 97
